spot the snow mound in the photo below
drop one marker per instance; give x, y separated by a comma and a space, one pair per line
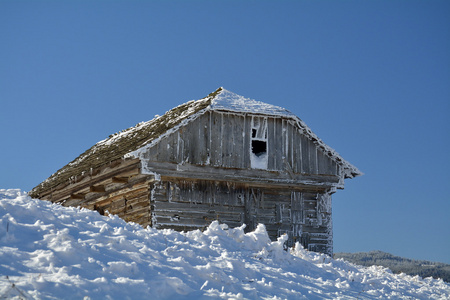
52, 252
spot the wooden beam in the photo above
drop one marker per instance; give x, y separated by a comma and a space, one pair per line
77, 196
289, 168
97, 189
127, 168
115, 163
250, 176
120, 179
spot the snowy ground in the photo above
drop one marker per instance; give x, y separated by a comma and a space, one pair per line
52, 252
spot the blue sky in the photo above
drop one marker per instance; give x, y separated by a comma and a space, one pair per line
370, 78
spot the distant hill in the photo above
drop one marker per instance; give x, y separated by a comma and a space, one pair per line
398, 264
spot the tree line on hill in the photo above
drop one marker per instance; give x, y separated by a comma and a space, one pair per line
398, 264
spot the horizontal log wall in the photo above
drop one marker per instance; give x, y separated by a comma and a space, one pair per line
305, 215
188, 205
92, 182
130, 203
117, 188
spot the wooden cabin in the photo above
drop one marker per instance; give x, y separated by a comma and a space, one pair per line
225, 158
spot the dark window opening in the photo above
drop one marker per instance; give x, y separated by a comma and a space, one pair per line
259, 147
253, 133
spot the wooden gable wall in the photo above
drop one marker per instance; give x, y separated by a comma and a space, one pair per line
223, 139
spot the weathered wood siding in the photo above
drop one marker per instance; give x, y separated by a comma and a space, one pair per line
117, 188
130, 203
223, 139
186, 205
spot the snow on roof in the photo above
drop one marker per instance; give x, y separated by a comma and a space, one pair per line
130, 142
230, 101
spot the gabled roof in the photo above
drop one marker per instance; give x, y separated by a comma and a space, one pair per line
130, 141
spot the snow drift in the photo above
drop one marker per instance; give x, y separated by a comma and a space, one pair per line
52, 252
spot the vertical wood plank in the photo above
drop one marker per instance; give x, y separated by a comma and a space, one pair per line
186, 145
299, 153
216, 139
152, 153
289, 145
279, 143
209, 138
233, 155
313, 157
194, 139
322, 163
238, 137
306, 166
204, 137
227, 139
284, 146
180, 146
333, 168
247, 141
296, 150
271, 144
172, 149
162, 150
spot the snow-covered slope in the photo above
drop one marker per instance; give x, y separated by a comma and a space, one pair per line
53, 252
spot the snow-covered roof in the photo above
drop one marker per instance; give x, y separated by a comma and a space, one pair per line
129, 141
226, 100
